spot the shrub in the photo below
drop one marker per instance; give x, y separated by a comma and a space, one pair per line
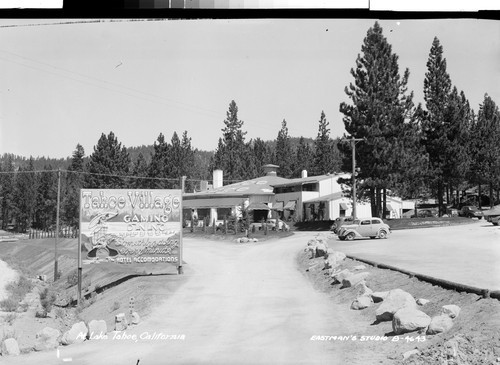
72, 278
47, 299
9, 305
18, 289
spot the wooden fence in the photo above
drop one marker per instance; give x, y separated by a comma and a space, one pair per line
63, 233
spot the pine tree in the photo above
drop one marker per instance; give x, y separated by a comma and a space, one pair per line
25, 195
140, 169
74, 182
109, 158
326, 158
7, 181
304, 158
229, 155
158, 167
380, 107
445, 126
485, 148
284, 153
46, 202
260, 155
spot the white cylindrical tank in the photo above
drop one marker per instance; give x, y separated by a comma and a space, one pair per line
303, 174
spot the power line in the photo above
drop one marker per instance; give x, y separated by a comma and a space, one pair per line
108, 175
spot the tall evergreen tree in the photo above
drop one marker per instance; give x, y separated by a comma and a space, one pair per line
46, 202
380, 107
437, 89
485, 147
140, 169
158, 167
109, 158
304, 158
261, 156
229, 155
7, 197
326, 156
74, 182
284, 153
25, 195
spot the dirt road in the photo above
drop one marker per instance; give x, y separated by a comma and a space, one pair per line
241, 304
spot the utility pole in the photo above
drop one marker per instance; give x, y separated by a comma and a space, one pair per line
180, 270
57, 222
353, 145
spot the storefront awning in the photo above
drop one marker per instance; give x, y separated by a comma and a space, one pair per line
258, 206
278, 206
290, 205
343, 206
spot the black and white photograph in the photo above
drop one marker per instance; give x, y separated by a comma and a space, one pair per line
261, 190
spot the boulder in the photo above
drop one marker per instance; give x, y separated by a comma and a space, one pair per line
358, 268
321, 249
97, 328
396, 299
362, 302
77, 334
363, 290
440, 324
120, 322
451, 310
409, 320
354, 279
338, 277
422, 302
47, 339
135, 318
379, 296
10, 347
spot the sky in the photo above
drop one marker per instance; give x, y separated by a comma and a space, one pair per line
63, 84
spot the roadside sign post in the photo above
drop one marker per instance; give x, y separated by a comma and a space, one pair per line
181, 244
56, 270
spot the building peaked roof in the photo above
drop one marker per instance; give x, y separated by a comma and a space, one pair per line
259, 186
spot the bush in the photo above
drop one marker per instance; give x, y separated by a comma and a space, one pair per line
47, 299
9, 305
18, 289
72, 278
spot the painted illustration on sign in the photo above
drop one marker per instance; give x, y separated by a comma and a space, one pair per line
130, 226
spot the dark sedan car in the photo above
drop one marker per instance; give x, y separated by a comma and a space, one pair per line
471, 211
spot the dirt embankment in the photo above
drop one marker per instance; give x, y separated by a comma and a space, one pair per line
474, 334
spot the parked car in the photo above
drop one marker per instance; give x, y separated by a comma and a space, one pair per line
493, 215
470, 211
365, 227
339, 222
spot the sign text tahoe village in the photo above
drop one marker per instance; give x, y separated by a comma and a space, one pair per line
130, 226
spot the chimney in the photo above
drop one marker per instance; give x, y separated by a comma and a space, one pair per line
303, 174
270, 169
203, 185
217, 174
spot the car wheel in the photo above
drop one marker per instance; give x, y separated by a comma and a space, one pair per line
342, 238
350, 237
382, 234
